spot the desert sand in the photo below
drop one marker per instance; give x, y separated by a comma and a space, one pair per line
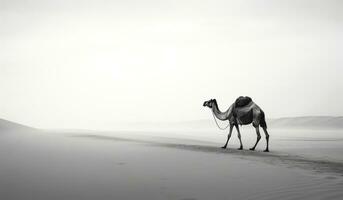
181, 165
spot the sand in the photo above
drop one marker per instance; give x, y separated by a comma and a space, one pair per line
183, 166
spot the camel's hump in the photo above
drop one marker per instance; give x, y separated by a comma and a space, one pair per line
242, 101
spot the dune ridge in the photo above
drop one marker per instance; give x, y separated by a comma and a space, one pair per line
6, 125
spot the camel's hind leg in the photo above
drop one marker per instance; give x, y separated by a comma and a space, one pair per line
267, 138
239, 137
258, 138
228, 137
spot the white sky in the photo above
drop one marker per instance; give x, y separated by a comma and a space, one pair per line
91, 64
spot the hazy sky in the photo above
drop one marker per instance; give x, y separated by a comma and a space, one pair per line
90, 64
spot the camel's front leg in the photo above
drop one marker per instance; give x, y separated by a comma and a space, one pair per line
228, 136
258, 138
239, 137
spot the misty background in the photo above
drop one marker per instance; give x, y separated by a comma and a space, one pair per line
93, 64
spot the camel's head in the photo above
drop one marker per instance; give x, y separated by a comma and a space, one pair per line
209, 103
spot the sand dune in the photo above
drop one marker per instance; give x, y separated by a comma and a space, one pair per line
72, 165
319, 122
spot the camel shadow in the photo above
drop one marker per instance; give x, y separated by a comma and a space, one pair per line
273, 158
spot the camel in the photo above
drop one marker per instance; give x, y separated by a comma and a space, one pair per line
242, 112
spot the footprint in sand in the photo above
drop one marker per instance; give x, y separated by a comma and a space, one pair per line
121, 163
188, 199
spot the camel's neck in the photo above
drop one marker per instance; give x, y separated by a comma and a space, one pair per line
220, 115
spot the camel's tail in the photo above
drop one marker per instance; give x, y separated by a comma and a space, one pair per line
263, 123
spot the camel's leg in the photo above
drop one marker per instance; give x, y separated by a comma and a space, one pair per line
239, 137
258, 138
267, 138
228, 137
